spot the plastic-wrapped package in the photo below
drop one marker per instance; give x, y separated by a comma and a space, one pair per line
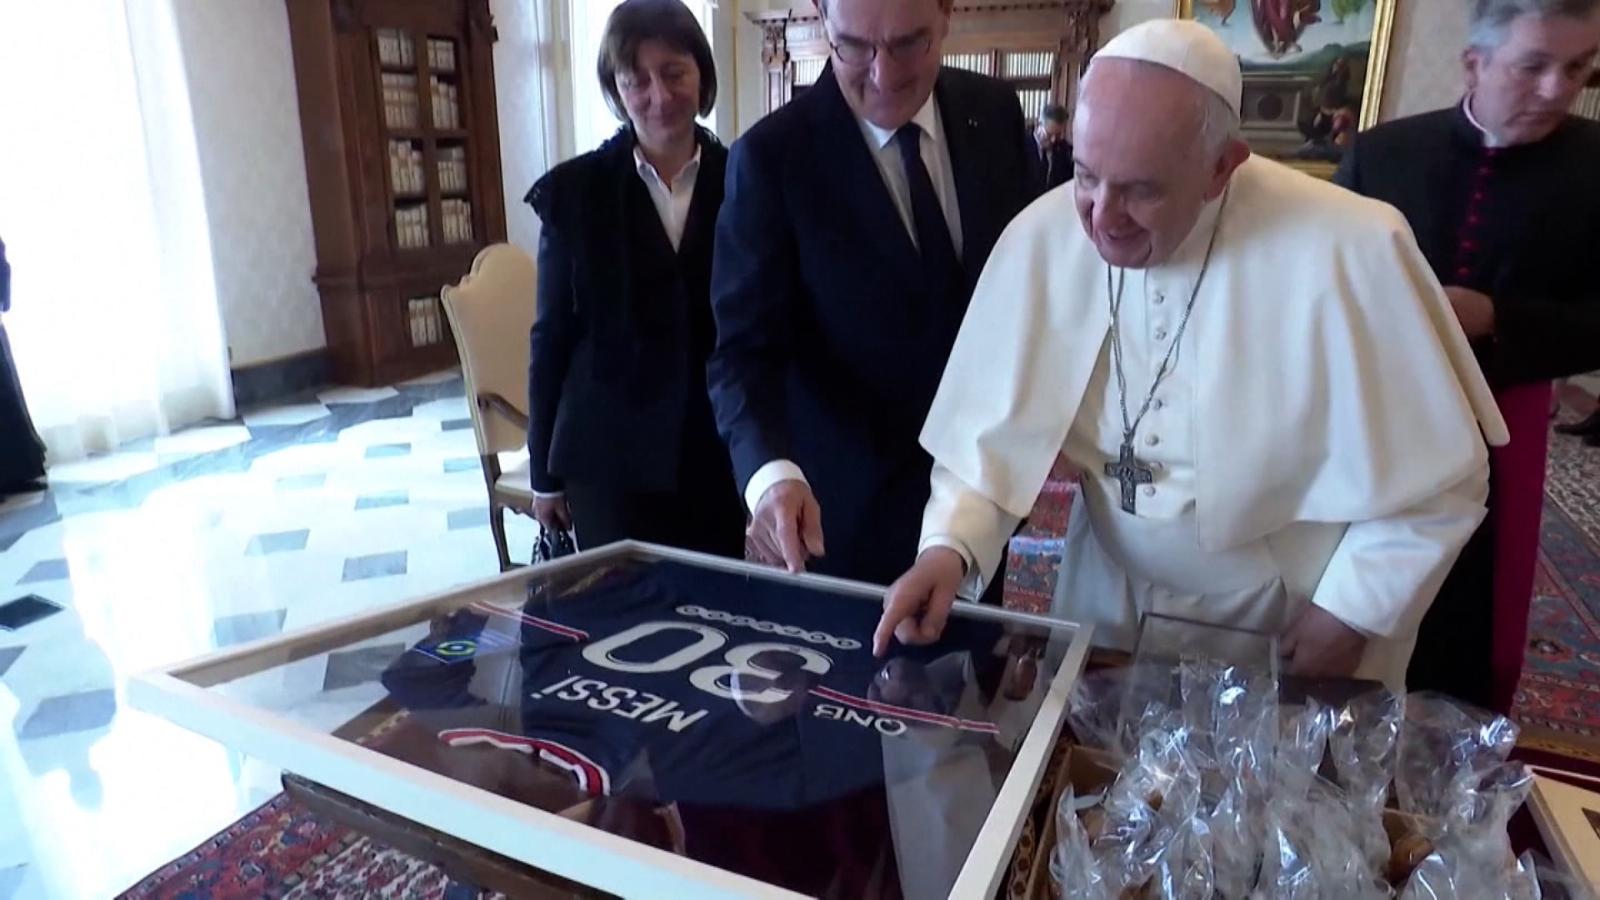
1110, 708
1539, 879
1094, 709
1073, 866
1314, 850
1364, 743
1302, 742
1442, 746
1186, 871
1237, 827
1233, 711
1474, 857
1153, 801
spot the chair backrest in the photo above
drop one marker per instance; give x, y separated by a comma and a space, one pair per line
491, 312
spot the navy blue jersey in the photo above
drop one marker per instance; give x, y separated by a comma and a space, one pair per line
683, 684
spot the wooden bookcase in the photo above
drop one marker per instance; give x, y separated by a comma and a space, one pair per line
1040, 47
397, 112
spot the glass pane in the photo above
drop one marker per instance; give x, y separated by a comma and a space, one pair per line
808, 69
982, 63
1030, 64
737, 719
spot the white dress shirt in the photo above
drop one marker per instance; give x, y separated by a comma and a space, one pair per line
671, 203
881, 143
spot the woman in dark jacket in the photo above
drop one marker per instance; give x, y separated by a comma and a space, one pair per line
621, 434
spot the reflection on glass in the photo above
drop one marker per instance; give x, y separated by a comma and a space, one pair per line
741, 721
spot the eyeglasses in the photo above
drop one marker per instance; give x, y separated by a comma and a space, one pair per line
855, 52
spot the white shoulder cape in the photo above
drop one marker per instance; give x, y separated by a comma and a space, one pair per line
1333, 381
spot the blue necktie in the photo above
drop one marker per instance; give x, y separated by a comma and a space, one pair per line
933, 230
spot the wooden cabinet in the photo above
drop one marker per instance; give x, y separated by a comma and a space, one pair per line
397, 112
1040, 47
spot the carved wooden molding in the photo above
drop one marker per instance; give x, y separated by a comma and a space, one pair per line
1068, 28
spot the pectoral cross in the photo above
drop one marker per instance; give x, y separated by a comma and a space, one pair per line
1132, 473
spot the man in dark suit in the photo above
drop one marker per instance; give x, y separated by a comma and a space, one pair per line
1052, 147
857, 220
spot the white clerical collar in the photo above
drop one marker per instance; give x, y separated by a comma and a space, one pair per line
1193, 249
648, 172
927, 117
1489, 140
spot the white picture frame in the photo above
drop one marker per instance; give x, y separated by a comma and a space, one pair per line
1568, 818
547, 841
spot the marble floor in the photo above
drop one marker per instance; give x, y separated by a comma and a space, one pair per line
337, 502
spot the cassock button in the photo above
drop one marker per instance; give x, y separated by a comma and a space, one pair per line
1152, 440
1149, 491
1158, 405
1160, 298
1161, 334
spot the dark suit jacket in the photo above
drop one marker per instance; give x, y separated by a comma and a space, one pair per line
1520, 224
1054, 169
617, 357
830, 341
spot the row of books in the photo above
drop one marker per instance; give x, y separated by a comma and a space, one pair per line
401, 105
441, 55
411, 227
453, 170
426, 319
405, 168
457, 218
395, 47
446, 104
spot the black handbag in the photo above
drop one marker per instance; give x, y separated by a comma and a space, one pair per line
552, 545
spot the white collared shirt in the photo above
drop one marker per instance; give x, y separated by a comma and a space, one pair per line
935, 155
672, 203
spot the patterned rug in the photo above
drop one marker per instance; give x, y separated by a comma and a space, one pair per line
284, 851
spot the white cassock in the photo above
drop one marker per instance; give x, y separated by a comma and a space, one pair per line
1319, 438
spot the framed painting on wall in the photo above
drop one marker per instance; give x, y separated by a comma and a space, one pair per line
1313, 71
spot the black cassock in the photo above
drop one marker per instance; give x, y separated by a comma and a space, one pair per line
21, 454
1522, 225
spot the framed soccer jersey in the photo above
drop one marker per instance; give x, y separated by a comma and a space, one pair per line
657, 723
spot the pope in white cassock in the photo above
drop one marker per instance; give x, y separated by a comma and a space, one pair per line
1277, 421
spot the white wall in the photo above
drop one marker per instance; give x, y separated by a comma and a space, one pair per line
524, 90
240, 73
1425, 57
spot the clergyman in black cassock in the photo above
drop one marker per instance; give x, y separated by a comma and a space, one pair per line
1506, 208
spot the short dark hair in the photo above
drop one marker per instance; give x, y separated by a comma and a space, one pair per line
667, 21
1055, 112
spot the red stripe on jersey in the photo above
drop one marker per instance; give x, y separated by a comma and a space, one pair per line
902, 712
565, 631
592, 778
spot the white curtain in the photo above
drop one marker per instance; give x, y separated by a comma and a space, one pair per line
115, 323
